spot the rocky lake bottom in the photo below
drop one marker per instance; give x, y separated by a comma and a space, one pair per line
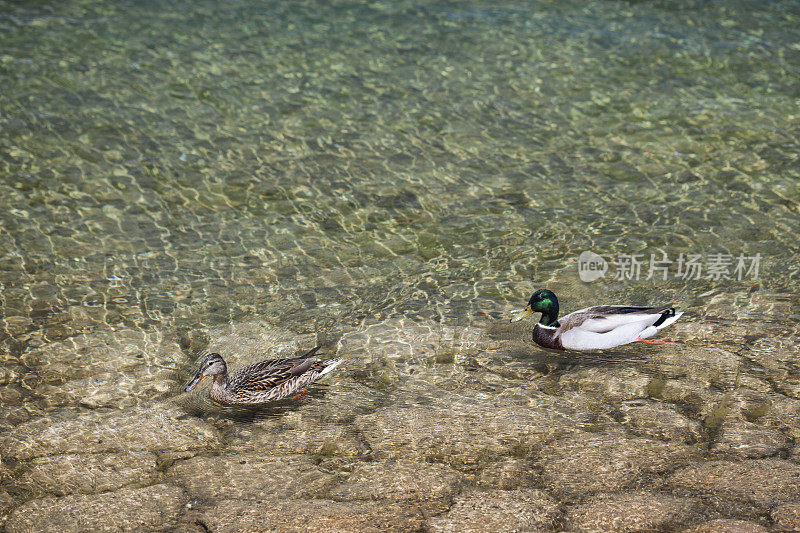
423, 427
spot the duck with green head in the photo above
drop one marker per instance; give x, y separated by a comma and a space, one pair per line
595, 328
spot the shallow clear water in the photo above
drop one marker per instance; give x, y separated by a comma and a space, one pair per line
170, 168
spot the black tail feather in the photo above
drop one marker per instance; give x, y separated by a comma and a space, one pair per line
665, 314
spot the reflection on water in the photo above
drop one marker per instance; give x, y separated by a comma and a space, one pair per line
391, 179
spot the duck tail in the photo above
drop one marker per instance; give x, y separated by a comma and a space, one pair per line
311, 353
330, 364
665, 314
667, 319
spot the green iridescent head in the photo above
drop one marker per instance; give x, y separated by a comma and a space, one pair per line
542, 301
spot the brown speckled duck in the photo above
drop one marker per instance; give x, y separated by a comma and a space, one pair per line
261, 382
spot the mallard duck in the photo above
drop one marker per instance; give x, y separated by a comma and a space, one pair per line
594, 328
261, 382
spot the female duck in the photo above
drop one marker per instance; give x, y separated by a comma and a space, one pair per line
261, 382
594, 328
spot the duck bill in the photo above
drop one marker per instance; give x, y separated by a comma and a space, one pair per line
519, 315
196, 381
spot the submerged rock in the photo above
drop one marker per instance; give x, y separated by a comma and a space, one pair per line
438, 423
8, 374
109, 389
252, 477
154, 508
659, 421
707, 366
746, 439
148, 428
479, 511
6, 503
89, 473
336, 400
688, 396
508, 473
429, 486
313, 439
103, 369
786, 516
635, 511
611, 384
725, 525
760, 483
13, 416
465, 432
783, 414
310, 516
101, 352
585, 463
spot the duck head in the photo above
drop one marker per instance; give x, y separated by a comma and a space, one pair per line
542, 301
213, 364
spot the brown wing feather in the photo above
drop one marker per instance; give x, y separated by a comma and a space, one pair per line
266, 375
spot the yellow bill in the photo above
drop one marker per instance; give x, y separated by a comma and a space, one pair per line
519, 315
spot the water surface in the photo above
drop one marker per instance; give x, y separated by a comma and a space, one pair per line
172, 167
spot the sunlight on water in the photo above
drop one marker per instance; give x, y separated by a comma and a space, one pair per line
391, 180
